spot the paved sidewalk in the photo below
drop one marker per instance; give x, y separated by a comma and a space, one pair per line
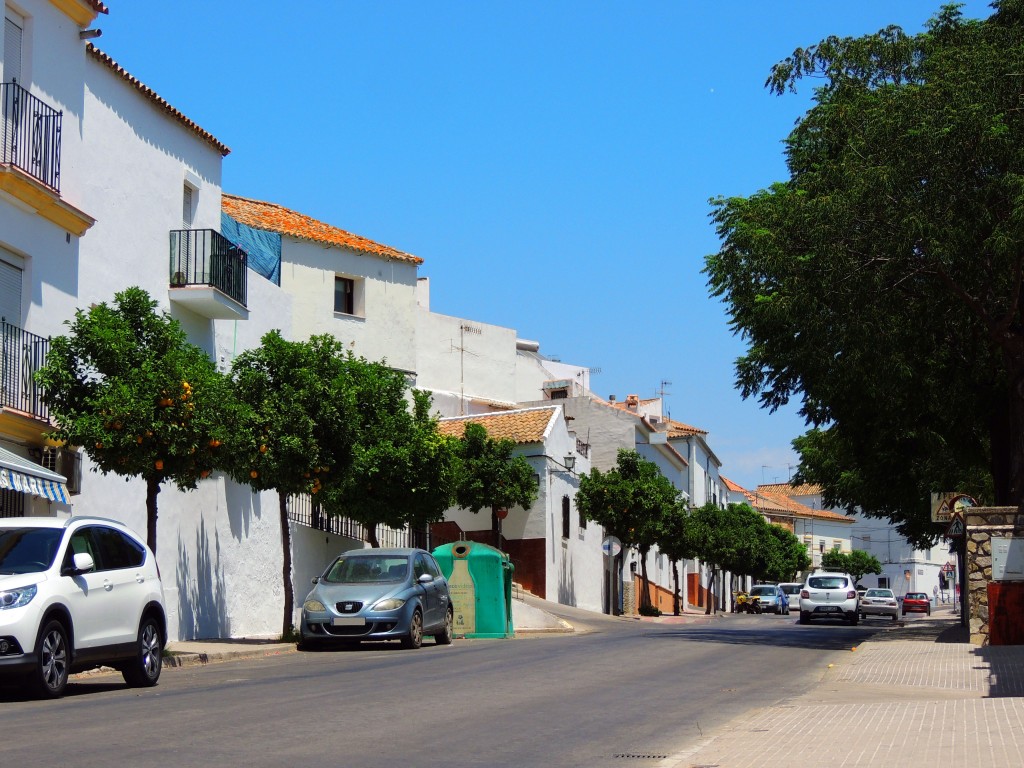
916, 696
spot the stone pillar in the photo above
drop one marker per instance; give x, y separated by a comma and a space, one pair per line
982, 523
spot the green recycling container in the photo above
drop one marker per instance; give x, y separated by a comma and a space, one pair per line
480, 582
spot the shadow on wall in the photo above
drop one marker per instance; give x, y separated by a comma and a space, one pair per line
243, 505
202, 611
566, 582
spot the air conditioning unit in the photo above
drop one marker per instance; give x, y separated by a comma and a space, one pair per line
65, 462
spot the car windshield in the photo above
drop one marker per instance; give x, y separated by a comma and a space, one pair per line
28, 550
791, 589
878, 593
762, 590
826, 582
916, 596
366, 569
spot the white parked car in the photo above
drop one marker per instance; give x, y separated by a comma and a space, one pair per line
879, 602
76, 594
828, 595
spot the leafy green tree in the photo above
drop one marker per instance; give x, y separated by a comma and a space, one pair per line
127, 386
881, 283
790, 556
856, 563
291, 427
491, 477
630, 501
676, 541
403, 471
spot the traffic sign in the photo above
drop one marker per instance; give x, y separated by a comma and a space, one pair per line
948, 568
611, 546
956, 527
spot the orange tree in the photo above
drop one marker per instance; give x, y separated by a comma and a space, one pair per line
293, 413
403, 470
127, 386
630, 501
491, 477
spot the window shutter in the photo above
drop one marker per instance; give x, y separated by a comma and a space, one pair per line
10, 292
186, 208
12, 49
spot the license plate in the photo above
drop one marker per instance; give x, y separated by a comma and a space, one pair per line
829, 609
345, 621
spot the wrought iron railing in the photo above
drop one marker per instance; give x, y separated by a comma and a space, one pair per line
303, 511
30, 134
206, 257
23, 354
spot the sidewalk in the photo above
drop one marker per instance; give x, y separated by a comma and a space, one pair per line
916, 696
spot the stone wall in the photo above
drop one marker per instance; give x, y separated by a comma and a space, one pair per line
982, 524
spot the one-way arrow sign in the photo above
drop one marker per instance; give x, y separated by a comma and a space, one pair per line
956, 527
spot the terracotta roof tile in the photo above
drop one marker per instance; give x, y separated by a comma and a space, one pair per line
276, 218
772, 502
785, 489
678, 429
524, 426
153, 96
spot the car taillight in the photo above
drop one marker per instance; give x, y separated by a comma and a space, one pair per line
851, 594
805, 594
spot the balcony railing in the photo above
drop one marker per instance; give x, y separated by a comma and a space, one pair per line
30, 134
303, 511
23, 354
206, 257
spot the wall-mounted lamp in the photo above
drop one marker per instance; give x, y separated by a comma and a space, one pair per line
569, 462
89, 34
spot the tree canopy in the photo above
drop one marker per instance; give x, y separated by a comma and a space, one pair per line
856, 563
127, 386
490, 476
630, 501
881, 283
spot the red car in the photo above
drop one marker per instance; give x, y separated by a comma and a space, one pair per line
917, 601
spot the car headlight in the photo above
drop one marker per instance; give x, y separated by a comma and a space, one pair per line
314, 606
15, 598
388, 604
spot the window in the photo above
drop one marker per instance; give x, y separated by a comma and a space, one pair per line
565, 517
12, 503
186, 208
837, 544
345, 295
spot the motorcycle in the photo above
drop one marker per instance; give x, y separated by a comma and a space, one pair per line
744, 603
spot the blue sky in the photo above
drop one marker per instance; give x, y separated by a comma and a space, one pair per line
551, 162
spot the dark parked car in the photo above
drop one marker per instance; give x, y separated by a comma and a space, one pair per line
917, 601
378, 594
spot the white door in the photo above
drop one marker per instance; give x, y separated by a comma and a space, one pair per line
13, 32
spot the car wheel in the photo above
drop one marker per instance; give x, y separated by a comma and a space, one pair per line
144, 669
444, 637
805, 617
894, 617
928, 612
415, 637
50, 677
904, 613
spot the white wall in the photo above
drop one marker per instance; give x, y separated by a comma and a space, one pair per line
384, 326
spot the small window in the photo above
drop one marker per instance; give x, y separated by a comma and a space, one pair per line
345, 295
565, 517
116, 550
883, 581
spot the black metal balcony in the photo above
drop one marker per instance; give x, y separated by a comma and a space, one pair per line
30, 134
21, 355
206, 257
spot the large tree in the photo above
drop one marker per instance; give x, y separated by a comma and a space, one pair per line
403, 471
291, 427
127, 386
881, 284
630, 502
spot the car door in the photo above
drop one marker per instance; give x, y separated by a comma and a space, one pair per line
121, 564
88, 601
432, 610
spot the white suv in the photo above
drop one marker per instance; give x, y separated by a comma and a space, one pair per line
76, 594
827, 595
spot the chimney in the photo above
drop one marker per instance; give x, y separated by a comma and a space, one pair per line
632, 401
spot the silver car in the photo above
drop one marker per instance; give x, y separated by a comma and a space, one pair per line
378, 594
828, 595
879, 602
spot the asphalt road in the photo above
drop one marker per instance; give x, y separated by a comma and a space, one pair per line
619, 693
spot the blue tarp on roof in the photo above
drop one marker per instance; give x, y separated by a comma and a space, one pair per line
264, 248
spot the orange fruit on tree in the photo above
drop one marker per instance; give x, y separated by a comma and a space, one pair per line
254, 474
159, 464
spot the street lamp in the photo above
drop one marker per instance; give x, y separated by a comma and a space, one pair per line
569, 462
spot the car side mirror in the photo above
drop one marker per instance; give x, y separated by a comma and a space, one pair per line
426, 578
316, 579
81, 563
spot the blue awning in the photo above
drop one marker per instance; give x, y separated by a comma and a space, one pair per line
20, 474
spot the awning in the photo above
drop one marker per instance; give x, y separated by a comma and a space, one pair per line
21, 474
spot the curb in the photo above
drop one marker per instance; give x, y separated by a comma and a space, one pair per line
178, 659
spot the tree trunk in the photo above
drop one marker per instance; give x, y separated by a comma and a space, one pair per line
711, 593
152, 489
287, 628
371, 536
496, 526
675, 591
